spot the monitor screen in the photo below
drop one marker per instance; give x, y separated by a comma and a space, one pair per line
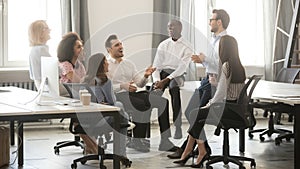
50, 79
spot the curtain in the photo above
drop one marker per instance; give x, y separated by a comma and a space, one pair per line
189, 32
193, 11
75, 19
164, 10
269, 16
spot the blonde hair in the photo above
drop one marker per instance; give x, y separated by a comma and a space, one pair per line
35, 32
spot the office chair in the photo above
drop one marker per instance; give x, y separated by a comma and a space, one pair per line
135, 115
73, 94
76, 142
73, 90
241, 108
287, 75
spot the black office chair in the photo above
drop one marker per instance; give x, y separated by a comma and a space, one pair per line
241, 108
132, 110
287, 75
76, 142
73, 90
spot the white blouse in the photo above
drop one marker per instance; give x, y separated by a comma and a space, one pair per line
226, 90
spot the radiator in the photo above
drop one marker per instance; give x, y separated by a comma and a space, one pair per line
24, 85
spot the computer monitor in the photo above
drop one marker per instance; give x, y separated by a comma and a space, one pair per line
50, 81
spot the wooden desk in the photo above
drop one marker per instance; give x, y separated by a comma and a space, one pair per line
267, 91
12, 109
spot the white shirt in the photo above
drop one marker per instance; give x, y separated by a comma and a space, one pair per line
174, 55
211, 62
226, 90
124, 73
35, 60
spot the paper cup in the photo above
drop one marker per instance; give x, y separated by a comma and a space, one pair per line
82, 92
86, 99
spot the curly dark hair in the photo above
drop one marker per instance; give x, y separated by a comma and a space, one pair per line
65, 49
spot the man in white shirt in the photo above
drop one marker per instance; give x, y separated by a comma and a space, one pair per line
126, 79
218, 23
171, 61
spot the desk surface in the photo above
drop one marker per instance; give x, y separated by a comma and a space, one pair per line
18, 104
269, 91
13, 103
278, 92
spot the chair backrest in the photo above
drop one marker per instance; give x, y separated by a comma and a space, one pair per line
287, 75
246, 92
238, 114
242, 107
73, 90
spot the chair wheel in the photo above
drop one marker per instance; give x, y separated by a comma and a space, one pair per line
83, 162
250, 135
126, 162
242, 167
253, 164
74, 166
209, 167
261, 138
56, 150
277, 142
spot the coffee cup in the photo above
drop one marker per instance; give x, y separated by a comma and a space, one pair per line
86, 99
82, 92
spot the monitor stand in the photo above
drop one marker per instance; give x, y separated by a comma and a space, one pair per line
42, 95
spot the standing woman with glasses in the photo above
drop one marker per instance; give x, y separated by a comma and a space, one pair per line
39, 34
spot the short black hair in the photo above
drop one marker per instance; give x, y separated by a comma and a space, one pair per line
109, 39
223, 16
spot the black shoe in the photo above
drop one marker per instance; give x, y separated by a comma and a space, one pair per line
183, 161
176, 155
200, 164
178, 133
138, 145
167, 145
207, 147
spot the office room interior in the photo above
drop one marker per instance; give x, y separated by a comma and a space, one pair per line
268, 41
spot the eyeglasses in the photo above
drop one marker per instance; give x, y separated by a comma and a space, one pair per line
212, 19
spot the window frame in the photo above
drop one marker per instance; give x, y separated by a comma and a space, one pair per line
5, 63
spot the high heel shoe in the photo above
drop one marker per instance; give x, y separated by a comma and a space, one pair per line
200, 164
183, 161
207, 147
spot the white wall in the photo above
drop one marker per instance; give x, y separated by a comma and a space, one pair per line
130, 20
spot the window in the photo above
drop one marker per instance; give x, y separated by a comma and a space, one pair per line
246, 25
16, 17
